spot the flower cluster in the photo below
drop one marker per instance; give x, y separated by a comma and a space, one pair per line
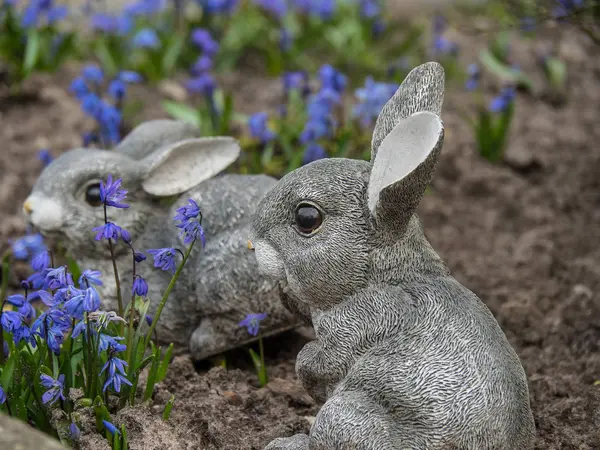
202, 80
371, 99
441, 45
39, 11
218, 6
320, 108
88, 88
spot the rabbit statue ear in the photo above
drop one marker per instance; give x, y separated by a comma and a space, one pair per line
185, 164
421, 90
403, 168
153, 135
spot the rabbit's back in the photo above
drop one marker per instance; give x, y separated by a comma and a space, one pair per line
228, 201
448, 373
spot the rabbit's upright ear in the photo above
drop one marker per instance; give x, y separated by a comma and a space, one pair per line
407, 141
178, 167
154, 134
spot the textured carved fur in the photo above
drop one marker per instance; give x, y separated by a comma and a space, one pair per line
405, 357
220, 284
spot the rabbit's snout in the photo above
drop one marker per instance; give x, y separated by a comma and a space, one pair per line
43, 213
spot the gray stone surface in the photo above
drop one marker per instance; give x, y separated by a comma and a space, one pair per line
17, 435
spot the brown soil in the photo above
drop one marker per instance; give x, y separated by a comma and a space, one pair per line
523, 235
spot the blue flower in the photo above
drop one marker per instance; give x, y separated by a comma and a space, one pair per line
139, 257
106, 341
23, 304
116, 375
202, 39
189, 217
54, 388
371, 100
125, 236
12, 320
74, 432
117, 89
107, 231
140, 286
41, 261
503, 101
144, 7
474, 74
370, 9
110, 428
296, 80
45, 157
193, 231
29, 245
58, 278
89, 277
313, 152
278, 8
218, 6
257, 124
252, 322
120, 25
129, 77
164, 258
92, 74
111, 193
203, 64
332, 78
2, 396
205, 84
187, 212
146, 38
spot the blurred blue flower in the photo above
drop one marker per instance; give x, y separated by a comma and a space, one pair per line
125, 236
204, 84
204, 63
117, 90
370, 9
323, 9
332, 79
285, 39
24, 305
296, 80
110, 428
129, 76
80, 88
278, 8
218, 6
202, 39
41, 261
566, 7
371, 99
119, 25
54, 388
146, 38
38, 9
145, 7
92, 74
313, 152
164, 258
2, 396
257, 125
140, 286
45, 156
503, 101
474, 74
252, 322
28, 246
74, 432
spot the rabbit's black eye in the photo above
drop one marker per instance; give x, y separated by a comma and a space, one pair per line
308, 218
92, 195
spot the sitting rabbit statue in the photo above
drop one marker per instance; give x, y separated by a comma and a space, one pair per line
405, 357
161, 161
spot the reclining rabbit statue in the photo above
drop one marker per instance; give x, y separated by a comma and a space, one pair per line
405, 357
161, 161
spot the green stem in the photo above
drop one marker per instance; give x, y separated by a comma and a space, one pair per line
262, 376
163, 301
118, 284
129, 352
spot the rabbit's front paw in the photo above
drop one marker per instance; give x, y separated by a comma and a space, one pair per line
317, 371
296, 442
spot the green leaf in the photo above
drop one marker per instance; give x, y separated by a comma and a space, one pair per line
484, 134
32, 51
152, 377
142, 365
101, 413
73, 267
503, 71
172, 54
556, 70
501, 132
104, 54
267, 154
124, 442
20, 406
182, 112
168, 408
8, 371
164, 365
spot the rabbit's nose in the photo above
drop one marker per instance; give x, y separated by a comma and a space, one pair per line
27, 207
250, 245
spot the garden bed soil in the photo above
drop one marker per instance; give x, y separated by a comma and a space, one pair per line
523, 235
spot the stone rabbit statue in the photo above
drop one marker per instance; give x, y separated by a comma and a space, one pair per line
163, 163
405, 357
